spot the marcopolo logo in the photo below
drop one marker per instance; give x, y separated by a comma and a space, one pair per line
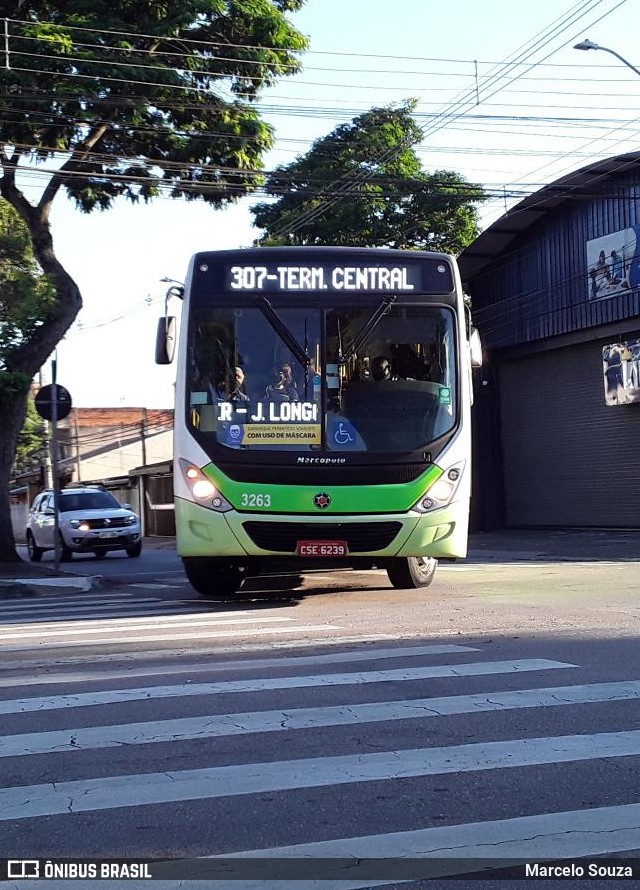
321, 460
322, 500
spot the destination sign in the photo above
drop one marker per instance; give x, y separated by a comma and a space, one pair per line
326, 277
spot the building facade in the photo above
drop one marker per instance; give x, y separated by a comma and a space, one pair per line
555, 291
102, 443
126, 450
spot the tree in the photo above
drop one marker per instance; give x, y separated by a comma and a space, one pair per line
27, 302
133, 99
363, 185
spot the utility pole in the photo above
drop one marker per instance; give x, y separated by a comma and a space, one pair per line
143, 436
54, 463
77, 444
53, 403
48, 473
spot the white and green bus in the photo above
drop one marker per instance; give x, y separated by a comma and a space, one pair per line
322, 413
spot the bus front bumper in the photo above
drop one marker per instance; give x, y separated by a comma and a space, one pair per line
203, 532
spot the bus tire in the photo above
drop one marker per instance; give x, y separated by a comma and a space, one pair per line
212, 577
411, 572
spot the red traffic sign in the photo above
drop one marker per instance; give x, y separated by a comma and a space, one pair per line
45, 398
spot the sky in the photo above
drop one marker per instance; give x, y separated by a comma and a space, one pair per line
503, 99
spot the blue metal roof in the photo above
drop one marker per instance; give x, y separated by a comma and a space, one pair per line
491, 243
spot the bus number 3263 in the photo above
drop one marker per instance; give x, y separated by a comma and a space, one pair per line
255, 500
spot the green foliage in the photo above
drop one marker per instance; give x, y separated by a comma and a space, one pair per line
14, 386
363, 185
145, 96
27, 298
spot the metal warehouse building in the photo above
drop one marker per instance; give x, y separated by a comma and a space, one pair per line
555, 291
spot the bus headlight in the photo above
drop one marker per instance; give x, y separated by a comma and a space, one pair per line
202, 489
442, 491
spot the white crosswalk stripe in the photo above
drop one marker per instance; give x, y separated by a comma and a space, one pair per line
58, 616
75, 607
308, 718
369, 654
176, 622
316, 737
261, 684
255, 778
545, 837
108, 620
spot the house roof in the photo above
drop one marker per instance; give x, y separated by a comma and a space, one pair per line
498, 236
115, 417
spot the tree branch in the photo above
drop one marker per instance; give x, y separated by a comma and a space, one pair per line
30, 355
79, 153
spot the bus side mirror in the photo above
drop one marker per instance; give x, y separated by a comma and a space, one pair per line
475, 348
165, 340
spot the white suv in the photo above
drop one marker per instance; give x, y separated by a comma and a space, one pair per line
90, 521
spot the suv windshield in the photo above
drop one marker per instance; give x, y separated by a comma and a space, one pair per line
87, 500
380, 377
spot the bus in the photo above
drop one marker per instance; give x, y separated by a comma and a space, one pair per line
322, 413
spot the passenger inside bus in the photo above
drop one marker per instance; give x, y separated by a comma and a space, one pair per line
282, 388
407, 365
381, 368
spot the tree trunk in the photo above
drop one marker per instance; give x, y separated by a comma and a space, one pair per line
12, 414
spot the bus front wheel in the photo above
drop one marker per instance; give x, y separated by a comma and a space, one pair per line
211, 577
410, 572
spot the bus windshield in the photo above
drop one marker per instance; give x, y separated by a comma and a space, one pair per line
378, 377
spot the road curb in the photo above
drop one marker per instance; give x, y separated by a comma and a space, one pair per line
79, 582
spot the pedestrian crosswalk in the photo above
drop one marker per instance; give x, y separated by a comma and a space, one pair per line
361, 765
74, 606
121, 621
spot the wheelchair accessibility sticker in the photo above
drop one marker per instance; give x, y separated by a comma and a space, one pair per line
342, 435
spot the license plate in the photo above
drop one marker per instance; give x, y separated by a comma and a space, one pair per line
108, 534
322, 548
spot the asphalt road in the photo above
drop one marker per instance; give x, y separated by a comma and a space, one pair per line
513, 582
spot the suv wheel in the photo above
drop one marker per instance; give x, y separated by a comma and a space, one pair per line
35, 553
135, 549
65, 552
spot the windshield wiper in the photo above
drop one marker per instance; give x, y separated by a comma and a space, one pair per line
363, 333
282, 330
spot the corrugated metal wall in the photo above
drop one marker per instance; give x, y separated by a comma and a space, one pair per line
558, 456
539, 286
568, 459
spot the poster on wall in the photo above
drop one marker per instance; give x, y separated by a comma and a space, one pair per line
621, 372
613, 263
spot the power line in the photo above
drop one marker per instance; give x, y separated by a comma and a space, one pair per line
523, 66
210, 45
453, 111
129, 63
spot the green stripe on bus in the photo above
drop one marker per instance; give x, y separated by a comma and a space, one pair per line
254, 497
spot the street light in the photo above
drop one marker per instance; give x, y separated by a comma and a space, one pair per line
589, 44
